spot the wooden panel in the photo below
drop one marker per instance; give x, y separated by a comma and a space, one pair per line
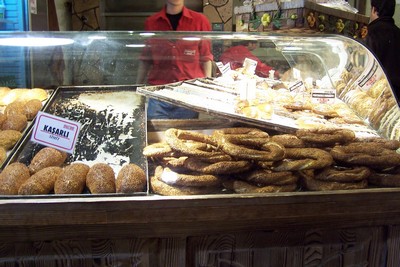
393, 238
316, 247
328, 248
98, 252
153, 216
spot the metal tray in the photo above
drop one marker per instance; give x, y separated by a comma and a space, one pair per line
205, 95
113, 126
221, 105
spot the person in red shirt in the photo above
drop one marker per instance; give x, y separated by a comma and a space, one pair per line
236, 55
170, 60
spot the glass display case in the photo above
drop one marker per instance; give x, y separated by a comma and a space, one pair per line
283, 84
92, 78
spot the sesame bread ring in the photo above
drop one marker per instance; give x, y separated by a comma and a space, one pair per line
269, 177
161, 188
242, 187
171, 177
343, 174
242, 135
304, 159
270, 151
160, 149
222, 167
325, 137
176, 140
318, 185
363, 154
288, 140
384, 179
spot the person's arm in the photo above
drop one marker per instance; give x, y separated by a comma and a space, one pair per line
207, 68
142, 71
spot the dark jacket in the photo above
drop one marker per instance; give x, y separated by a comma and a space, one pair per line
384, 41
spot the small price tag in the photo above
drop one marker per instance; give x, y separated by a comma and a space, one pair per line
56, 132
323, 96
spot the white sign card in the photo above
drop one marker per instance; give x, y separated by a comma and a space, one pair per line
56, 132
249, 66
224, 69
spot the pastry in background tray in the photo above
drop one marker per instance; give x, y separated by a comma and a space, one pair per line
7, 96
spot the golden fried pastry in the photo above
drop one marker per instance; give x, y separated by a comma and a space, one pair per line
377, 89
131, 178
16, 122
4, 91
3, 155
72, 179
31, 108
3, 118
41, 182
8, 138
13, 95
16, 107
12, 177
47, 157
35, 93
101, 179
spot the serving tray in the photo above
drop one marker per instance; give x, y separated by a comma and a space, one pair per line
113, 126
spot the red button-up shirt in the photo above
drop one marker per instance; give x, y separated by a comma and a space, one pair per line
176, 59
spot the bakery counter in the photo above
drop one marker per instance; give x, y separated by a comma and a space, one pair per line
30, 219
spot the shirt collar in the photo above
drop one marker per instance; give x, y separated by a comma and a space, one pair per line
163, 13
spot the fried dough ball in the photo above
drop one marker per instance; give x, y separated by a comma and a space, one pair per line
4, 91
13, 95
101, 179
41, 182
8, 138
32, 107
72, 180
16, 122
12, 177
35, 93
131, 178
3, 155
16, 107
3, 118
47, 157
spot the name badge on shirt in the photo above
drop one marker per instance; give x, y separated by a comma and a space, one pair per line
189, 52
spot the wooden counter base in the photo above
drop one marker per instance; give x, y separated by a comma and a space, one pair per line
284, 229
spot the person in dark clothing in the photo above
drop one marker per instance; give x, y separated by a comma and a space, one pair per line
383, 39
